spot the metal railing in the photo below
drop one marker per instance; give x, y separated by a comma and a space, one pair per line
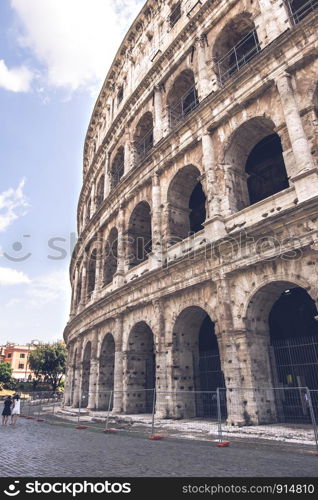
247, 48
144, 145
116, 174
297, 13
187, 103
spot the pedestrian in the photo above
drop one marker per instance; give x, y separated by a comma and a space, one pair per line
15, 409
6, 410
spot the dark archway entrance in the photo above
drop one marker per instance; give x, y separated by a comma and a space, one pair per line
139, 234
197, 371
106, 372
140, 370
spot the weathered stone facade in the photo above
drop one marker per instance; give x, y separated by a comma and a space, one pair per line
176, 226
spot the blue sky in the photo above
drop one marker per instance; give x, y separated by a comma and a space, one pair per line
54, 55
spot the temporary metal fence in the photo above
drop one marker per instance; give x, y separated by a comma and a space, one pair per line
299, 10
183, 107
247, 48
144, 145
272, 415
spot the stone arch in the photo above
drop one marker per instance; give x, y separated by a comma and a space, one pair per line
117, 168
106, 373
255, 163
196, 364
111, 256
139, 234
186, 201
143, 136
86, 369
140, 374
91, 273
236, 45
100, 191
182, 97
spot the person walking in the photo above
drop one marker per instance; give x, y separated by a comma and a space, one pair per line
15, 409
6, 410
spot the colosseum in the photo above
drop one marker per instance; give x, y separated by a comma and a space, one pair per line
196, 263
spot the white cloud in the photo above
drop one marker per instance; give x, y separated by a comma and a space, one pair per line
13, 204
75, 40
15, 79
10, 276
49, 287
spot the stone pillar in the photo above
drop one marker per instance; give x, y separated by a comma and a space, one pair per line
162, 404
69, 374
84, 217
306, 178
268, 21
74, 292
107, 185
214, 225
205, 85
84, 284
119, 367
78, 374
93, 376
156, 257
99, 265
121, 254
127, 151
92, 198
134, 157
158, 124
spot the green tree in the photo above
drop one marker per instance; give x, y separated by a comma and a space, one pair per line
5, 374
49, 361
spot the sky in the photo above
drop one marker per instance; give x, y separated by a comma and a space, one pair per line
54, 56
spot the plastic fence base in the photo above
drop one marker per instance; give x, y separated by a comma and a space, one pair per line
40, 420
155, 438
223, 444
80, 427
110, 431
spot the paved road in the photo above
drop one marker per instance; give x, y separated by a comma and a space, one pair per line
39, 450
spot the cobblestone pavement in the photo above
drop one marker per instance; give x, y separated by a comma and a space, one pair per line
43, 450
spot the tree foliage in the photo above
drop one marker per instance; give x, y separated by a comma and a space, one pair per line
49, 361
5, 373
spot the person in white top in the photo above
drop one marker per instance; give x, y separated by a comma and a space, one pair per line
16, 409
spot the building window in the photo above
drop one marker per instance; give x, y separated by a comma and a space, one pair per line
21, 366
175, 14
120, 95
22, 355
10, 355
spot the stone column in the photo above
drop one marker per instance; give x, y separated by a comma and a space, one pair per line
84, 283
306, 178
107, 184
158, 124
121, 253
93, 376
162, 404
84, 216
99, 265
119, 367
78, 373
74, 292
268, 21
214, 225
156, 258
205, 85
93, 204
127, 151
69, 374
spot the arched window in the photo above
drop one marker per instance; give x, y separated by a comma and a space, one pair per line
175, 14
139, 234
143, 137
100, 192
118, 167
91, 271
235, 46
182, 98
186, 204
111, 256
298, 9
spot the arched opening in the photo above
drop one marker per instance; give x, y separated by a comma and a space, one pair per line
182, 98
86, 369
78, 290
175, 13
139, 234
106, 373
140, 370
298, 9
235, 46
100, 192
111, 256
255, 163
91, 273
196, 365
186, 201
143, 137
118, 168
285, 348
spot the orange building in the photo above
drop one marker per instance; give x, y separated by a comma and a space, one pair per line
17, 356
